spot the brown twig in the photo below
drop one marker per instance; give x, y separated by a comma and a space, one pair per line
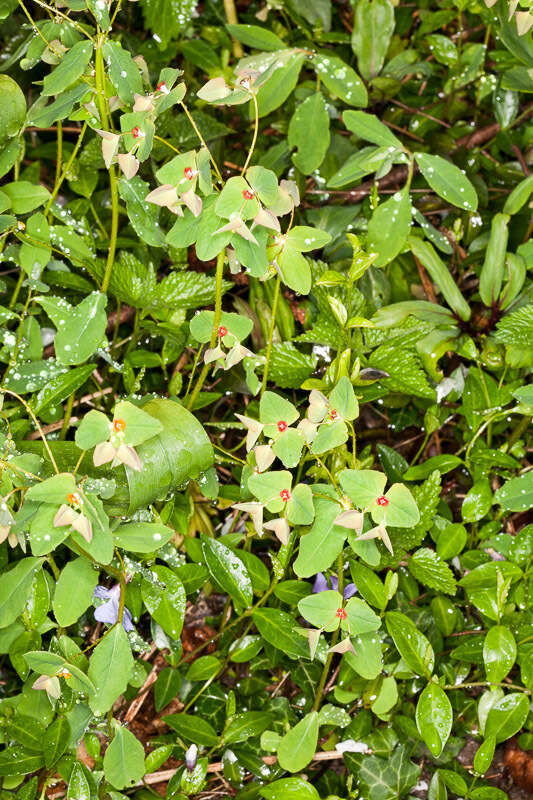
426, 283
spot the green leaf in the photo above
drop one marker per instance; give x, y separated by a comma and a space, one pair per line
81, 328
74, 591
289, 367
439, 273
70, 68
427, 567
255, 37
142, 215
367, 661
203, 668
110, 669
13, 108
25, 196
187, 290
516, 494
15, 588
371, 129
388, 778
56, 740
491, 276
311, 150
123, 71
364, 162
434, 718
298, 746
246, 725
289, 789
61, 387
26, 731
17, 760
167, 19
339, 78
124, 759
412, 645
320, 609
78, 785
372, 31
484, 755
477, 501
280, 81
142, 537
447, 180
166, 687
277, 628
360, 617
443, 463
192, 729
368, 584
363, 486
499, 653
166, 605
507, 716
329, 436
389, 227
324, 541
228, 571
294, 270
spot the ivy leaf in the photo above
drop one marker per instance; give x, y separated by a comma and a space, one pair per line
388, 778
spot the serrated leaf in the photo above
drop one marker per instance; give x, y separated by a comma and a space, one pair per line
426, 566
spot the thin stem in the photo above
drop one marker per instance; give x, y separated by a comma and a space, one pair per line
59, 156
113, 184
254, 139
66, 418
37, 29
197, 132
334, 640
271, 333
68, 19
36, 422
17, 288
63, 175
164, 141
216, 324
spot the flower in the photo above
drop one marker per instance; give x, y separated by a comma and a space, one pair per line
191, 756
6, 522
116, 450
50, 684
108, 612
322, 584
71, 513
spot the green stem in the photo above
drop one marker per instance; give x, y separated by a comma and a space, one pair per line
522, 426
254, 139
216, 324
204, 144
66, 419
334, 640
113, 183
271, 333
231, 16
17, 288
63, 175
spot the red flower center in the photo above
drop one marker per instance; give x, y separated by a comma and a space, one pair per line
285, 495
136, 132
119, 425
341, 613
382, 501
161, 86
73, 499
282, 426
248, 195
188, 173
222, 331
333, 413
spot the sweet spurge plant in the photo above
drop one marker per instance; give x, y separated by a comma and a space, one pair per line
265, 405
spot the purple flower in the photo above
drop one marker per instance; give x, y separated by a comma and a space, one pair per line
108, 612
322, 584
191, 756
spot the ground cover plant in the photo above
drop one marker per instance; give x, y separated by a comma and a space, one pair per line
265, 406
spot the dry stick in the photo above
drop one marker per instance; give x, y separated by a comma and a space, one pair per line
426, 283
167, 774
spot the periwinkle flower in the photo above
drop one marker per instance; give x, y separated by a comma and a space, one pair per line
323, 584
108, 612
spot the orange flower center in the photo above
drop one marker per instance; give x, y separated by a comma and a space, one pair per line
382, 501
188, 173
73, 499
285, 495
248, 195
161, 86
282, 426
333, 413
341, 613
222, 331
136, 132
119, 425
